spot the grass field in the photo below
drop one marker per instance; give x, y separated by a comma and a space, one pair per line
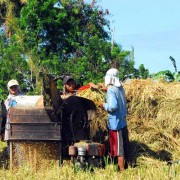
149, 169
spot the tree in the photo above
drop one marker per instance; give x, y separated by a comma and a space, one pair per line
72, 40
13, 65
9, 9
43, 37
163, 75
174, 63
144, 73
58, 36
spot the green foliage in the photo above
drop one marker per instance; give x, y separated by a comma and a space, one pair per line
70, 40
163, 75
12, 62
177, 76
144, 73
122, 60
2, 93
9, 8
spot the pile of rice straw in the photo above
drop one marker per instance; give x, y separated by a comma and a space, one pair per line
153, 118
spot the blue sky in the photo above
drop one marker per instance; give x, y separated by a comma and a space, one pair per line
152, 27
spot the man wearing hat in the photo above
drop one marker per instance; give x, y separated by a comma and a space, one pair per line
115, 105
69, 87
14, 90
11, 101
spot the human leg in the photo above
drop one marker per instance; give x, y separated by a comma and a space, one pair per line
121, 162
116, 147
126, 146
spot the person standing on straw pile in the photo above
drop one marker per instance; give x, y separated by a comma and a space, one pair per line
115, 105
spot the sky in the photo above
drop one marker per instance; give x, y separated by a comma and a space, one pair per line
151, 27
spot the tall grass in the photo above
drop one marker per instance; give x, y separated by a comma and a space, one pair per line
152, 169
151, 172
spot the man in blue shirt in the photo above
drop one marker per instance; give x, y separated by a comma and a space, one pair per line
115, 105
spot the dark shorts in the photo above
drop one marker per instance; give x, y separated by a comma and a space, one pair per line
119, 142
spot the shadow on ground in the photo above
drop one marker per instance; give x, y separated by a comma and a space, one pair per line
4, 159
138, 149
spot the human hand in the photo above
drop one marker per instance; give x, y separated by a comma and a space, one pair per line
101, 105
104, 89
102, 86
92, 85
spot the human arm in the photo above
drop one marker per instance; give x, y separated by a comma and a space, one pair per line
111, 103
100, 86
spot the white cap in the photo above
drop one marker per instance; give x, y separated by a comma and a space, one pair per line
12, 82
112, 77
